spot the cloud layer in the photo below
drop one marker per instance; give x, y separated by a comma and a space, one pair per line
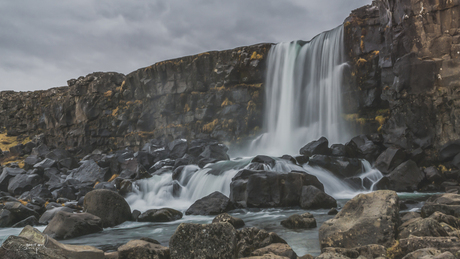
45, 43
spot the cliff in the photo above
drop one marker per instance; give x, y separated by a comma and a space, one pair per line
213, 94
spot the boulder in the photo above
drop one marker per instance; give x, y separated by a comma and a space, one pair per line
142, 249
331, 255
410, 215
15, 247
367, 251
251, 239
365, 147
448, 219
213, 204
421, 227
390, 159
89, 172
433, 175
203, 241
425, 253
283, 250
342, 150
177, 148
23, 182
224, 217
65, 225
160, 215
111, 207
270, 189
30, 221
30, 161
50, 213
106, 185
404, 178
39, 191
45, 164
266, 160
314, 198
355, 225
447, 203
320, 146
341, 167
414, 243
6, 176
40, 151
14, 212
296, 221
449, 150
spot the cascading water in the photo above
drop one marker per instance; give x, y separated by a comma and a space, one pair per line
303, 94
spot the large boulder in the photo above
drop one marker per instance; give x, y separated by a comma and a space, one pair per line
160, 215
213, 153
177, 148
414, 243
404, 178
314, 198
49, 214
111, 207
142, 249
355, 225
203, 241
251, 239
23, 182
390, 159
341, 167
421, 227
17, 247
270, 189
449, 150
213, 204
447, 203
66, 225
365, 147
89, 172
320, 146
14, 212
297, 221
6, 176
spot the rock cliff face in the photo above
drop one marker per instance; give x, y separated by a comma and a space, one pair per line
213, 94
405, 59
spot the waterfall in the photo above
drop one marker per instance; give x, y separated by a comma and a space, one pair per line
303, 94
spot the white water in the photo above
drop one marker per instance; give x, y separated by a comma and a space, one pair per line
303, 95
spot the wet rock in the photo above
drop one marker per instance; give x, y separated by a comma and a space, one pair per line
264, 160
49, 214
177, 148
204, 241
342, 150
269, 189
320, 146
390, 159
296, 221
251, 239
107, 205
65, 225
314, 198
142, 249
404, 178
447, 203
433, 175
355, 224
365, 147
30, 221
213, 204
421, 227
160, 215
224, 217
213, 153
449, 150
283, 250
342, 167
22, 183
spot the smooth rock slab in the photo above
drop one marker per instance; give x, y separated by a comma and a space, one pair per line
203, 241
66, 225
366, 219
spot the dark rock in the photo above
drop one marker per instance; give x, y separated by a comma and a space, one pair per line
14, 212
89, 172
281, 250
320, 146
6, 176
433, 175
46, 163
150, 240
213, 204
126, 186
364, 147
314, 198
251, 239
22, 183
405, 178
421, 227
30, 221
224, 217
297, 221
160, 215
142, 249
213, 153
66, 191
17, 150
107, 205
410, 215
342, 167
290, 159
342, 150
49, 214
448, 219
177, 148
447, 203
204, 241
449, 150
269, 189
264, 160
40, 151
355, 224
332, 211
30, 161
106, 185
66, 225
16, 247
302, 159
390, 159
7, 219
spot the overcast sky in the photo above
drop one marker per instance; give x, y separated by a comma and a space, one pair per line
44, 43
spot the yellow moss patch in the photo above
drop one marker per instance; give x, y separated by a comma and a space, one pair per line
361, 45
7, 141
115, 112
226, 102
383, 111
361, 61
351, 117
256, 56
186, 108
210, 126
394, 251
96, 184
251, 106
23, 202
108, 93
113, 177
443, 168
380, 119
46, 203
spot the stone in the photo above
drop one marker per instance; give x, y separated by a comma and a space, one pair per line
251, 239
50, 213
367, 251
296, 221
423, 253
410, 215
45, 164
6, 176
225, 217
283, 250
23, 182
341, 167
266, 160
203, 241
314, 198
447, 203
14, 212
111, 207
405, 178
448, 219
320, 146
365, 147
414, 243
421, 227
89, 172
65, 225
213, 204
449, 150
332, 211
160, 215
213, 153
30, 221
15, 247
355, 225
433, 175
270, 189
106, 185
177, 148
40, 151
390, 159
331, 256
142, 249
